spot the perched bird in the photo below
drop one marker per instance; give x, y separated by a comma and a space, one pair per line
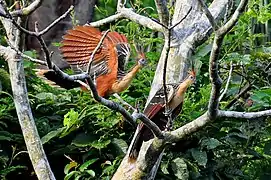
155, 111
108, 65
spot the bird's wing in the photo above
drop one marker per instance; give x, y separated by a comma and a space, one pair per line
80, 42
158, 100
123, 50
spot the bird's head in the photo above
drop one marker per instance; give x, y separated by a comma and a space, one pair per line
141, 58
191, 78
142, 61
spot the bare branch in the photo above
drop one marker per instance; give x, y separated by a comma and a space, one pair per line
95, 50
161, 6
142, 20
106, 20
60, 18
244, 115
208, 14
227, 83
25, 56
27, 10
213, 62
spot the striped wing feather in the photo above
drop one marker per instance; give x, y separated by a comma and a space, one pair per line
80, 42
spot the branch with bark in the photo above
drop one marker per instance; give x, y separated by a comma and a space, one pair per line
128, 13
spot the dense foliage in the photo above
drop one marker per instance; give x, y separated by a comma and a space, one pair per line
85, 140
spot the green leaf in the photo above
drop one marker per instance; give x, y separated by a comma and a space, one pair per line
69, 166
91, 173
6, 136
86, 164
100, 144
51, 135
210, 143
164, 166
121, 145
199, 156
71, 174
71, 118
8, 170
83, 140
179, 167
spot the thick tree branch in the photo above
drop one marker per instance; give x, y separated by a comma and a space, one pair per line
163, 13
213, 62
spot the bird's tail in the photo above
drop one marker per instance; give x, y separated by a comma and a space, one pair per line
55, 80
136, 144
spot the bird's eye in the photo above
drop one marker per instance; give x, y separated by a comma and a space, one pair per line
142, 61
191, 77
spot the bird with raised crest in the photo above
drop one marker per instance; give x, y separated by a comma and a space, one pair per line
108, 64
156, 110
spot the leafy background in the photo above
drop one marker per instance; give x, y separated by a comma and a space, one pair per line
85, 140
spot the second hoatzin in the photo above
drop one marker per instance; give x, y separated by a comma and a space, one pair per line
155, 111
108, 65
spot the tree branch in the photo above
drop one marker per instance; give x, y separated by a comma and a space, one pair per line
128, 13
244, 115
106, 20
27, 10
208, 14
161, 6
213, 61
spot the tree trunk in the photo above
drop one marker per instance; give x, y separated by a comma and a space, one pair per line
185, 38
20, 96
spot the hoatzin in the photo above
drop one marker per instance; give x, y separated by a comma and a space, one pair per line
155, 111
108, 64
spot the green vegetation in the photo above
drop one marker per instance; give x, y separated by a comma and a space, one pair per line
85, 140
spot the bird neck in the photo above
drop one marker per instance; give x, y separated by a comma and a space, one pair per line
124, 83
183, 87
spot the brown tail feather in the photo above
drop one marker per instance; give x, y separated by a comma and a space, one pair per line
53, 79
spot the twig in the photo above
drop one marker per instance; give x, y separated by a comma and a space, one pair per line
60, 18
227, 83
246, 88
95, 51
208, 14
25, 56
